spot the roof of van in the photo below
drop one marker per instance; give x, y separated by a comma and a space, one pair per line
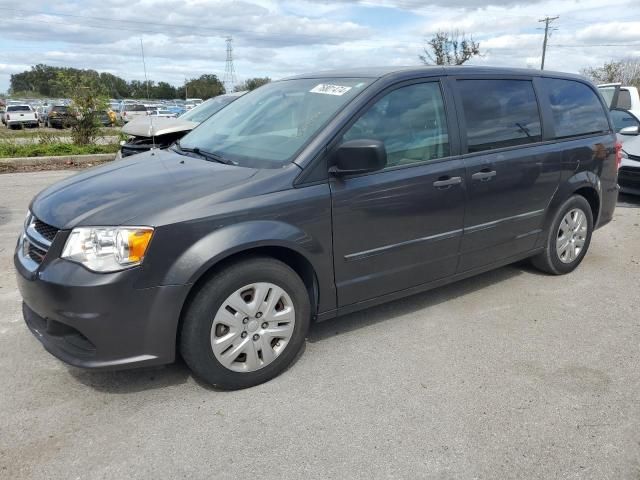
379, 72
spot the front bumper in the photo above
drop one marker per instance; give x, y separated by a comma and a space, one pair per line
629, 177
99, 321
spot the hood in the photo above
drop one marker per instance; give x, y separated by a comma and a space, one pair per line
148, 126
630, 144
137, 187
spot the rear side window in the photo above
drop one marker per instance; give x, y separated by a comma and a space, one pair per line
499, 113
576, 108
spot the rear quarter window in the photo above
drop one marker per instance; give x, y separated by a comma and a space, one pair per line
576, 108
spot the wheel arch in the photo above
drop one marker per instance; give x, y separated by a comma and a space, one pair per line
586, 184
290, 257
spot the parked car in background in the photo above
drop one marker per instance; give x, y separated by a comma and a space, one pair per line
129, 111
105, 118
162, 112
628, 127
42, 112
623, 119
60, 116
621, 97
3, 110
20, 116
146, 133
309, 198
177, 110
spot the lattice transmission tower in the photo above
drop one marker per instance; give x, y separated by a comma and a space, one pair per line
229, 80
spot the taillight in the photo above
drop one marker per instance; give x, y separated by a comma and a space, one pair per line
618, 154
124, 114
8, 117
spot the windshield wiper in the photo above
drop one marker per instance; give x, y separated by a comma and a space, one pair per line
204, 154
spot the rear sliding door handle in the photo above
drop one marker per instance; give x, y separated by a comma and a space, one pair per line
483, 175
447, 182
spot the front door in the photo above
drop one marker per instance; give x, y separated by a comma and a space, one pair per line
399, 227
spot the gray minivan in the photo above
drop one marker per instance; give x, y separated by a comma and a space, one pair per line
308, 198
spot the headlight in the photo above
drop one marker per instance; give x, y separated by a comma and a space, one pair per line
107, 249
27, 220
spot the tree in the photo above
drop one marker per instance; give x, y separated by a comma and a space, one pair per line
450, 48
164, 90
205, 86
252, 83
625, 71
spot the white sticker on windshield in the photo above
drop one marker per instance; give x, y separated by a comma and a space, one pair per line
329, 89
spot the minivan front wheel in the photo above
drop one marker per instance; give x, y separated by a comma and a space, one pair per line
246, 324
568, 238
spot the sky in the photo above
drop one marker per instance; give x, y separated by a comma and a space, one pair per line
186, 38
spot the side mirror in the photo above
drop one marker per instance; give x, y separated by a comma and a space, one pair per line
634, 130
358, 156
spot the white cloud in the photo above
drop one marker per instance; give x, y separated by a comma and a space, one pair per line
184, 38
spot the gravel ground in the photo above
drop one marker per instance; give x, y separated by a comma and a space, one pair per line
512, 374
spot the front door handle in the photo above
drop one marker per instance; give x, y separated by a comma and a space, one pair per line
484, 175
446, 182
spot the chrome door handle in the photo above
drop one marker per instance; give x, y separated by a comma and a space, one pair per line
445, 183
484, 176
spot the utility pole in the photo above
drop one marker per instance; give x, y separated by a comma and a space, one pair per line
547, 21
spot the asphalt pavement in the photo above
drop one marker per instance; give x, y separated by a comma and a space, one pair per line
511, 374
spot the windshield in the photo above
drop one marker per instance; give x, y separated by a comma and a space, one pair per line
19, 108
205, 110
267, 127
136, 108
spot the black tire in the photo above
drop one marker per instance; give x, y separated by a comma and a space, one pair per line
549, 261
195, 335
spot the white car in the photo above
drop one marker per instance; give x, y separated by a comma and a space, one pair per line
159, 112
20, 116
628, 127
129, 111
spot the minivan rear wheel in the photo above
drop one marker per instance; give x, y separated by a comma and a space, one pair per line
568, 238
245, 324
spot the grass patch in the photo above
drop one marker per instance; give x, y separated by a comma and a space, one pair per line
12, 150
61, 132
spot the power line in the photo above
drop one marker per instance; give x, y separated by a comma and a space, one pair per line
547, 21
189, 28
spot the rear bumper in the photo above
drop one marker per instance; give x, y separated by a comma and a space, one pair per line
23, 122
100, 321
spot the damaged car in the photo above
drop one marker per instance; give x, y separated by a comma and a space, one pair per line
150, 132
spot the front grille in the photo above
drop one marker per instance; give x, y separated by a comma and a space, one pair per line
36, 242
47, 231
35, 253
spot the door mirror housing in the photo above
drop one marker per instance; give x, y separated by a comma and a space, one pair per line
633, 130
358, 156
